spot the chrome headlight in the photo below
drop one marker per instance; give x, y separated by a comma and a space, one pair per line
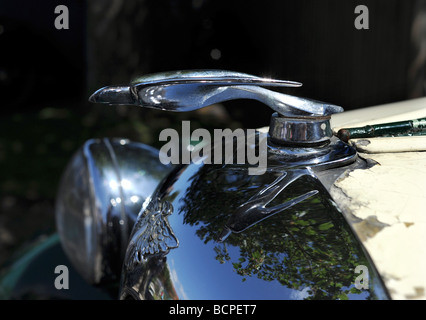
100, 195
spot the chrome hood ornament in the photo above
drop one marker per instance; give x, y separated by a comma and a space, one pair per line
297, 120
185, 90
184, 232
194, 89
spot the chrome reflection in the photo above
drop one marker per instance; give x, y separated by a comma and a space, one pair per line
153, 234
254, 210
100, 195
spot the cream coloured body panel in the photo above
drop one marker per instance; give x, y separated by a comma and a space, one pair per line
386, 204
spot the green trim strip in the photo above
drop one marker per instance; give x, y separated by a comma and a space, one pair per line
401, 128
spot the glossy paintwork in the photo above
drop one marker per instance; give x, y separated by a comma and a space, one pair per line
308, 252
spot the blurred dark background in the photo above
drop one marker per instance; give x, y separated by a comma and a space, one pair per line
47, 74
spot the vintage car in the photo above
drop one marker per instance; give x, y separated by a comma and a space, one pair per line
336, 213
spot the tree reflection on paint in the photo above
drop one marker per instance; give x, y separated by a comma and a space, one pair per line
309, 247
